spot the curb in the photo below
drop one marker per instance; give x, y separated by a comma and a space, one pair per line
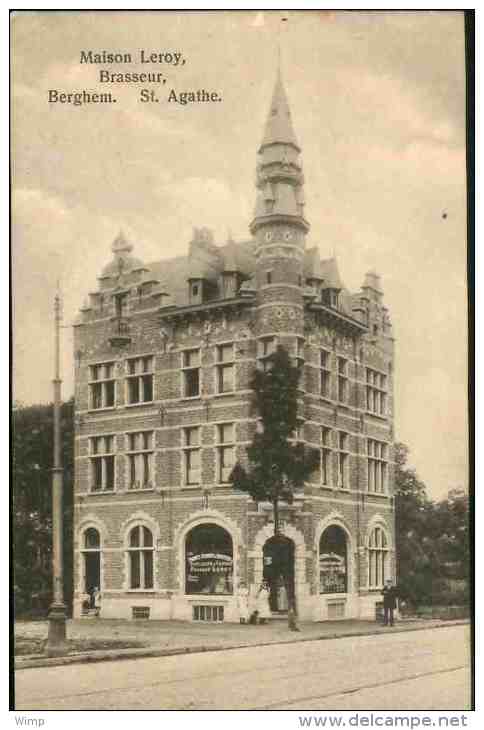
116, 655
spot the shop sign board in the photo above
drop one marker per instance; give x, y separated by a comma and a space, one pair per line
210, 563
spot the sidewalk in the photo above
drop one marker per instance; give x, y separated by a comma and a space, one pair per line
166, 638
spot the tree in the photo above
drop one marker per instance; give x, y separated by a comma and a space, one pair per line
452, 535
416, 556
32, 502
278, 465
432, 539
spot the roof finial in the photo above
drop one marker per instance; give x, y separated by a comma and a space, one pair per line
121, 244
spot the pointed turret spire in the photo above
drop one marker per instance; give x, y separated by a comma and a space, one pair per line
279, 172
279, 127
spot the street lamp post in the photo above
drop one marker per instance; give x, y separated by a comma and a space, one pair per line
56, 640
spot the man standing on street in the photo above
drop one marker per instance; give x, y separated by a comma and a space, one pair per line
389, 594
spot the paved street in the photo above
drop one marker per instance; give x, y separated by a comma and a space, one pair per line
423, 670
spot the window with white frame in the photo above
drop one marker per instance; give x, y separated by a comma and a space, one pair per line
325, 373
343, 460
343, 384
225, 368
140, 379
266, 347
102, 463
226, 450
377, 558
140, 557
191, 373
376, 392
101, 386
326, 455
140, 459
377, 466
191, 452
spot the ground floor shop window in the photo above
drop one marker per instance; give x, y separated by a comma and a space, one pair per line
209, 560
333, 560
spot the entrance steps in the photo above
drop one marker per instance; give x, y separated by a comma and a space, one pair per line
279, 616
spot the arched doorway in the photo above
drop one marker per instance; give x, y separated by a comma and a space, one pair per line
278, 571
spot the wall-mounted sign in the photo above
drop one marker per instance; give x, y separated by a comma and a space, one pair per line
210, 563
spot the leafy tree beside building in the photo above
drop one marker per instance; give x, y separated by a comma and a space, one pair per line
432, 539
32, 452
278, 464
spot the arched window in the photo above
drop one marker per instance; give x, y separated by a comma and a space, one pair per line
377, 558
140, 557
91, 555
209, 560
333, 561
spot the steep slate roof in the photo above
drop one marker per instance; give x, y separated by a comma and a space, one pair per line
237, 256
174, 273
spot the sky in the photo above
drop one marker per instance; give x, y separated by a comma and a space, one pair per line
378, 106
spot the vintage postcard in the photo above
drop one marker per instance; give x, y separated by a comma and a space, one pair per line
240, 362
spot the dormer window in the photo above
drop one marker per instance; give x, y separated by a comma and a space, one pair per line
230, 281
198, 290
330, 297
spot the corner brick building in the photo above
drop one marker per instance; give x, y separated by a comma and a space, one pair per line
164, 354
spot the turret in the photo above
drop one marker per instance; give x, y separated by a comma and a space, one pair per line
279, 226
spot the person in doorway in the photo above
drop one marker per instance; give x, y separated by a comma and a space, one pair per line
85, 602
262, 603
282, 602
389, 594
96, 595
243, 603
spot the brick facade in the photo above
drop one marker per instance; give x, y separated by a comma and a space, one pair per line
164, 355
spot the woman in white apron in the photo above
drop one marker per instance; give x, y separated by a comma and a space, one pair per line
262, 603
243, 603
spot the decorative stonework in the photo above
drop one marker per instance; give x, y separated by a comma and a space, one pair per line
379, 521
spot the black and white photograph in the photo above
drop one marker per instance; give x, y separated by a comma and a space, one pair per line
240, 362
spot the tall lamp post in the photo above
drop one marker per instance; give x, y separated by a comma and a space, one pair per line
56, 640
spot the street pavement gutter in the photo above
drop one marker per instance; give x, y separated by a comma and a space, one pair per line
145, 653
